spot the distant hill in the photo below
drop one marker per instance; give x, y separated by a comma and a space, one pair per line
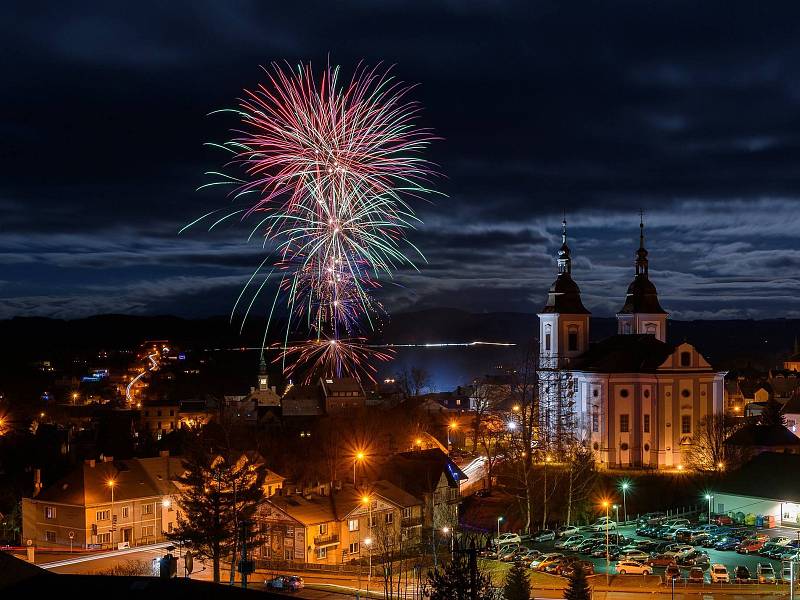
727, 344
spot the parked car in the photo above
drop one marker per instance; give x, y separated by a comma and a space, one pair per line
290, 583
545, 560
696, 558
721, 519
728, 543
741, 574
771, 550
569, 541
508, 552
780, 540
543, 535
507, 538
696, 575
603, 523
661, 560
585, 547
645, 545
636, 555
750, 545
613, 538
790, 554
719, 574
528, 555
672, 572
566, 531
588, 568
651, 518
632, 567
765, 573
600, 551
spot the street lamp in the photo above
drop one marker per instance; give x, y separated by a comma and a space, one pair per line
446, 530
624, 486
606, 504
616, 511
497, 541
451, 425
368, 541
360, 456
111, 483
709, 497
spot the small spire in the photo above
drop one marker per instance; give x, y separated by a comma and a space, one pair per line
642, 266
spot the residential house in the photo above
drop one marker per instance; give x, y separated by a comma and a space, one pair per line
80, 510
335, 524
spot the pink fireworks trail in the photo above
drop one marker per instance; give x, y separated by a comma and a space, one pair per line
328, 171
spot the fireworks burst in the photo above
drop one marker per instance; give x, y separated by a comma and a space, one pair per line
332, 167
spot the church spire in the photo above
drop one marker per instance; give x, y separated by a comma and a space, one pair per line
564, 259
642, 266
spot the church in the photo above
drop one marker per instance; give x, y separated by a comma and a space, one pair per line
635, 398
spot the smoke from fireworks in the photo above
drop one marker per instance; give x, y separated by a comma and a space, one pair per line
331, 167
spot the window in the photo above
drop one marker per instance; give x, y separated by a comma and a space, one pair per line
595, 393
624, 423
686, 424
322, 553
354, 549
125, 512
102, 515
572, 340
373, 521
169, 527
323, 529
623, 393
686, 359
407, 513
158, 413
352, 525
287, 554
49, 536
686, 393
104, 538
646, 393
595, 422
147, 509
389, 518
650, 328
547, 342
646, 423
49, 512
147, 531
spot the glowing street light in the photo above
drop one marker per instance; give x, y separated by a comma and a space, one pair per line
709, 497
360, 456
451, 425
111, 483
606, 505
497, 541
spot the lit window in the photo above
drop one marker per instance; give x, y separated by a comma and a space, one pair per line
624, 423
102, 515
49, 512
322, 553
352, 525
686, 424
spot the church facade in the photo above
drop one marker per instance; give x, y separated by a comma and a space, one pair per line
636, 399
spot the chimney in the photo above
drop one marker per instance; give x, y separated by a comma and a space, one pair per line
164, 453
37, 482
90, 462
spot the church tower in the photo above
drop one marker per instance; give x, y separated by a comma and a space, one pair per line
642, 312
564, 320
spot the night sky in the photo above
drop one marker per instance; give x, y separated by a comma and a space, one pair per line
688, 110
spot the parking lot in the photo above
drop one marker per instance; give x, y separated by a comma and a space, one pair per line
730, 558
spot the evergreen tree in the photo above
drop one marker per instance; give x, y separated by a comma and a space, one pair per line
578, 586
217, 492
453, 581
517, 586
773, 413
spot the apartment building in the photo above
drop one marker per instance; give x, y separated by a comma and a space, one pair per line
105, 504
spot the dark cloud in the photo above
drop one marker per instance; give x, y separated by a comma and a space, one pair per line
688, 110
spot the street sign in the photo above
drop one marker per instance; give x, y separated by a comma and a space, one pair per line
71, 535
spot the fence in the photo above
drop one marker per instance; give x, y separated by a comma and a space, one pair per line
288, 565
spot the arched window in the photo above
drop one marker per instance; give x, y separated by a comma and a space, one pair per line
650, 328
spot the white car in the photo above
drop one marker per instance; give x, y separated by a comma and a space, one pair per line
569, 541
631, 567
545, 558
719, 574
507, 538
566, 531
780, 541
602, 523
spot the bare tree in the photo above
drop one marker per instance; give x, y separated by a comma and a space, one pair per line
708, 451
413, 381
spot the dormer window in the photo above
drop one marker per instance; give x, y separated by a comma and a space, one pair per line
686, 359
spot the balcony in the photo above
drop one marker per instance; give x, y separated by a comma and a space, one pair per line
323, 541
